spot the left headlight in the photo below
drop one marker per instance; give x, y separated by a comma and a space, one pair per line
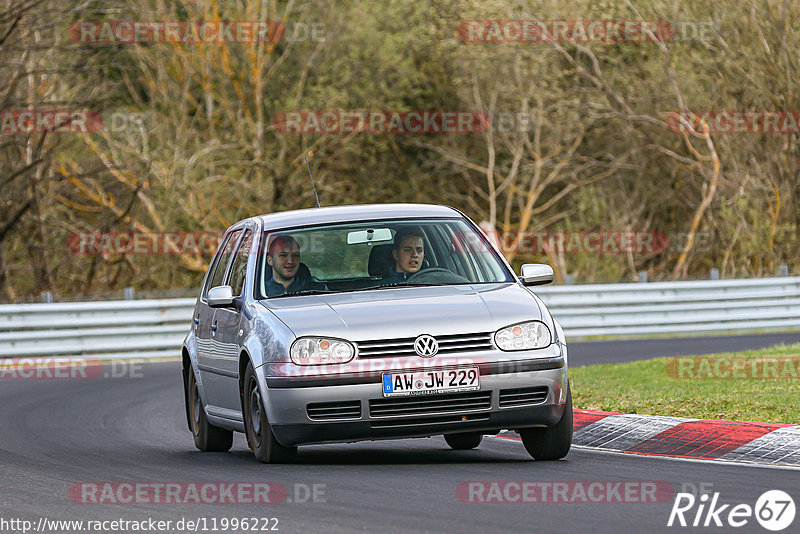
523, 336
321, 350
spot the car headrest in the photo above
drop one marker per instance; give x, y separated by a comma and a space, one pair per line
380, 260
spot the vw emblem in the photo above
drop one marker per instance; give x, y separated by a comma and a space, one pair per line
426, 346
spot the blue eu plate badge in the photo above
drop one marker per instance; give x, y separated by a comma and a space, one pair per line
387, 384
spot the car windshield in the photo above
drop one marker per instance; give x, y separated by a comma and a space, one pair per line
371, 255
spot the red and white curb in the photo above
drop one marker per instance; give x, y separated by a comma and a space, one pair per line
678, 437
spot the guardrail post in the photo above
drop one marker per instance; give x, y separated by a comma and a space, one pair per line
569, 279
643, 276
127, 293
714, 273
47, 297
784, 270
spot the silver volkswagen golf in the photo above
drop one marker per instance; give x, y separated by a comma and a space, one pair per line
372, 322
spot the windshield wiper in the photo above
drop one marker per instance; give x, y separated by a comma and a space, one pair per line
304, 292
398, 284
381, 286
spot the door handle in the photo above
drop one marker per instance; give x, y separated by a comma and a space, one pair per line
197, 320
214, 327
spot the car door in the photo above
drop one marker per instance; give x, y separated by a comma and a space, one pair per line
229, 330
204, 321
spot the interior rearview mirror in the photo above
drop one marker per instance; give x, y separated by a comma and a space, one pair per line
369, 236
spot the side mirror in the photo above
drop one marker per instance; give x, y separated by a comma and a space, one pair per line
536, 274
220, 297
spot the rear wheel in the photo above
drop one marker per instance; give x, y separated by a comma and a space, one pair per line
463, 441
553, 442
259, 434
207, 437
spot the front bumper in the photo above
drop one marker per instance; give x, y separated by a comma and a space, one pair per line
287, 401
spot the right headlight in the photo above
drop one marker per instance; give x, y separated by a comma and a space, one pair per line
321, 351
523, 336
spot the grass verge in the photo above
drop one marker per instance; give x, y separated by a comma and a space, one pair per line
757, 385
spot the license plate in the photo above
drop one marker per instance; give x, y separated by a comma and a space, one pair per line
431, 382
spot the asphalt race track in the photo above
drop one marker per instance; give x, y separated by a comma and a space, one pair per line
628, 350
59, 433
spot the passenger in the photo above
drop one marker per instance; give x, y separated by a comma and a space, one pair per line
408, 253
288, 274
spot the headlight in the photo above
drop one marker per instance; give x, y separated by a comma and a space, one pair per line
321, 350
523, 336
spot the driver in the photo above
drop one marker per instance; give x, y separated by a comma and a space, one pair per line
283, 255
408, 252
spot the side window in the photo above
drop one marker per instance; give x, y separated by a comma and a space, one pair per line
224, 258
239, 268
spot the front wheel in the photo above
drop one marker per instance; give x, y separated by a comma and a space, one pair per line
553, 442
259, 434
207, 437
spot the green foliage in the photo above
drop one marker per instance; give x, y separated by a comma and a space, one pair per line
595, 155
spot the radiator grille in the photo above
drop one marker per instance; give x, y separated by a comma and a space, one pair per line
391, 348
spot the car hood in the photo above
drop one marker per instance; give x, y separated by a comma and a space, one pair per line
407, 312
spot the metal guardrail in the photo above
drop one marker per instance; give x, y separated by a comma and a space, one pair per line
155, 328
640, 309
103, 330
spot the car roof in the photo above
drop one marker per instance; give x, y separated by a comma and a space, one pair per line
356, 212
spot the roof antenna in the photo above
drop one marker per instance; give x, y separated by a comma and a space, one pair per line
311, 153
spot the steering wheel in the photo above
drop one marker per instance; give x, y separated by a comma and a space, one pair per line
437, 275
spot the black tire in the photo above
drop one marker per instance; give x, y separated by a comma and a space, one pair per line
207, 437
463, 441
260, 437
553, 442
